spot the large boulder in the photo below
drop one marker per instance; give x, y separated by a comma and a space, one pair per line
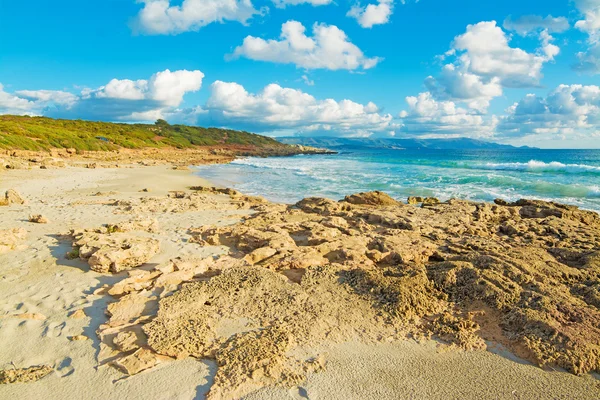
376, 198
12, 197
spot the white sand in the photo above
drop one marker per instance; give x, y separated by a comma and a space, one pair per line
40, 280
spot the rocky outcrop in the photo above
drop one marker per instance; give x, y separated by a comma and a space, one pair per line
524, 274
372, 199
12, 197
197, 200
116, 252
463, 252
116, 247
24, 375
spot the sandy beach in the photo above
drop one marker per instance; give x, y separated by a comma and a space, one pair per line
42, 292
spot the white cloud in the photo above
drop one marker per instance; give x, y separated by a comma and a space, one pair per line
160, 17
528, 24
372, 14
591, 22
48, 96
483, 64
119, 99
34, 102
328, 48
547, 48
166, 87
479, 65
589, 60
284, 3
568, 111
170, 87
484, 50
457, 85
12, 104
123, 89
283, 109
428, 117
307, 81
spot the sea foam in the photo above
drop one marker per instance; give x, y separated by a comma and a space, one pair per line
540, 166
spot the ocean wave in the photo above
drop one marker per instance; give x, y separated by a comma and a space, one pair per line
269, 164
540, 166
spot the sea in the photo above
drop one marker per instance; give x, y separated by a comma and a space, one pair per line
565, 176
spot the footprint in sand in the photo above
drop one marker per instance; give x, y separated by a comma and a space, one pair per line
64, 367
298, 393
54, 329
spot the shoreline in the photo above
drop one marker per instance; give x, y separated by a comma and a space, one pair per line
38, 279
291, 180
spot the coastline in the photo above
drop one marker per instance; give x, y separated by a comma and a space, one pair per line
470, 177
37, 279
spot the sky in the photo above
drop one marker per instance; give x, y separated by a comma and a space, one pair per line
524, 72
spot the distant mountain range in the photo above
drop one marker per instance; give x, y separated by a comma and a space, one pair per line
440, 144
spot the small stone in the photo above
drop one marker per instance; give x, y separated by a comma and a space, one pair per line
78, 337
414, 200
38, 219
428, 201
176, 195
79, 314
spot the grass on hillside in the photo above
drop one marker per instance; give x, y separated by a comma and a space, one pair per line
41, 133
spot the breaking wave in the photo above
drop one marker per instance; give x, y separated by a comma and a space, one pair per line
540, 166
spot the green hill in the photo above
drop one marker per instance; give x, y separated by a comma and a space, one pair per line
41, 133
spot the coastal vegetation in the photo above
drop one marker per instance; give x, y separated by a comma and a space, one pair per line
41, 133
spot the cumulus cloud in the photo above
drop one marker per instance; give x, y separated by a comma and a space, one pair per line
591, 22
328, 48
528, 24
568, 111
589, 60
459, 85
478, 67
427, 116
12, 104
482, 64
119, 99
484, 50
160, 17
34, 102
372, 14
141, 99
48, 96
276, 108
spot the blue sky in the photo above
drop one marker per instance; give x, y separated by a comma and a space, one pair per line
522, 72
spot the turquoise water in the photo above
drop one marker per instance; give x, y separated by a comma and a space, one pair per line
566, 176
